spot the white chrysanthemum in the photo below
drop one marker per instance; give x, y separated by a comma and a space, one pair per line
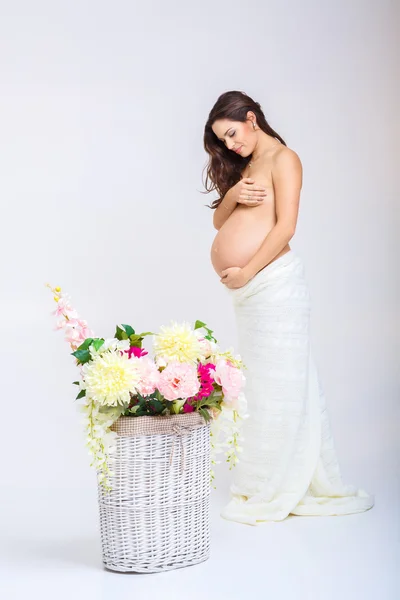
108, 345
110, 377
177, 342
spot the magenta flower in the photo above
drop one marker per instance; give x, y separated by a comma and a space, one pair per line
137, 352
206, 376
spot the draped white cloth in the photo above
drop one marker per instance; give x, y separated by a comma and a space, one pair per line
288, 464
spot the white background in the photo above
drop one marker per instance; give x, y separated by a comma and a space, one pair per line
102, 112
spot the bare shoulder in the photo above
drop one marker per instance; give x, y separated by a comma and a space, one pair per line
285, 158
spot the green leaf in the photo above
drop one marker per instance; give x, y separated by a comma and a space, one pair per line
97, 343
75, 383
205, 414
209, 335
129, 330
118, 333
142, 402
83, 356
83, 353
161, 398
81, 394
156, 405
177, 406
136, 340
85, 344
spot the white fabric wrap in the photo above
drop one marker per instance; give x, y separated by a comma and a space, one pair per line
288, 463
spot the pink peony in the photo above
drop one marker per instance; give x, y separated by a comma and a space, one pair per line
229, 377
149, 375
178, 380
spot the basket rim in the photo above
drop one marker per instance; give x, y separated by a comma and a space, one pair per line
159, 424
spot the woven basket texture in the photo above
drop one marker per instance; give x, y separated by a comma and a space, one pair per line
157, 515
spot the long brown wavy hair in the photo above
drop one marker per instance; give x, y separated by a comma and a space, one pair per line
224, 168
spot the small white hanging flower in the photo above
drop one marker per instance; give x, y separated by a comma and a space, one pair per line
228, 426
100, 440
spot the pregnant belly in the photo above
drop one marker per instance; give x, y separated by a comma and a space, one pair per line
240, 237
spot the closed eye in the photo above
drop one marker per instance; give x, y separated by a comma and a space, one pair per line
230, 135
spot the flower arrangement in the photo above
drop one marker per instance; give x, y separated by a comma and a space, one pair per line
188, 373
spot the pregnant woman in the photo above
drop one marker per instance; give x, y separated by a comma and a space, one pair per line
288, 464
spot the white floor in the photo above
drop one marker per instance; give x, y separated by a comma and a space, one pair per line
50, 549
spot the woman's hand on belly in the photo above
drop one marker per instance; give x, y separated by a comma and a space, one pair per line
234, 277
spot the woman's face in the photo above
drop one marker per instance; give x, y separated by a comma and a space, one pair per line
237, 136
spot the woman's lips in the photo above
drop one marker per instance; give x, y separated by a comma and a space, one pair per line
239, 149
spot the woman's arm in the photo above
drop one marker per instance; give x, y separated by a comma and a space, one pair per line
287, 176
226, 208
245, 192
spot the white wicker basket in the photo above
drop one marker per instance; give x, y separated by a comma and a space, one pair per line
157, 515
